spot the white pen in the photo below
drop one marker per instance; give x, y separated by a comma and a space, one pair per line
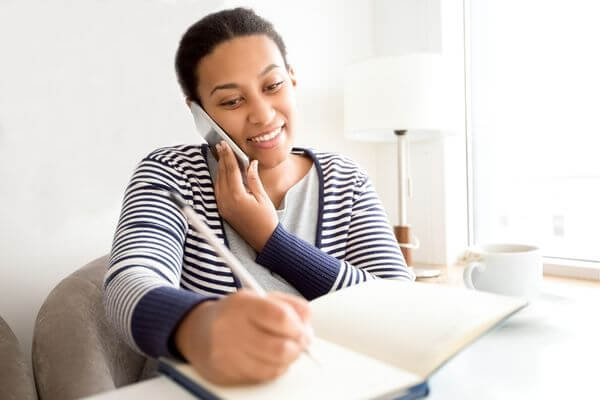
238, 269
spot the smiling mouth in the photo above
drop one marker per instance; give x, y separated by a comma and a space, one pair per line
267, 136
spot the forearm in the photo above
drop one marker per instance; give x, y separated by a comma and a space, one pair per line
142, 297
312, 271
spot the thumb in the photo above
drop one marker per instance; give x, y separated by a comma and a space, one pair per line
254, 183
300, 305
302, 310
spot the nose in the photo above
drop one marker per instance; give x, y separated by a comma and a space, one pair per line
261, 111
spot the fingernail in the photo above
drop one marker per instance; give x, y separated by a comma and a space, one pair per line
255, 165
218, 147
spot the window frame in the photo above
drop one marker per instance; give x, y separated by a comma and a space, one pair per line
558, 266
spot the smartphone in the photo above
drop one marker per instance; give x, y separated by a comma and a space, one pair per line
213, 134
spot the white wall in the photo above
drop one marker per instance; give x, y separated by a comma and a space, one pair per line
407, 26
437, 208
87, 88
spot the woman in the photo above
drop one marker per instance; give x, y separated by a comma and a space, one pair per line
308, 223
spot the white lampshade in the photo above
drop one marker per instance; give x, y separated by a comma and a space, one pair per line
392, 93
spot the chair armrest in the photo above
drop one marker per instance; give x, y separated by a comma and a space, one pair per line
16, 381
76, 352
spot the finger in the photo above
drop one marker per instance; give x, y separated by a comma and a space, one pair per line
221, 168
303, 313
255, 370
220, 376
300, 305
271, 349
234, 175
278, 318
246, 369
214, 152
254, 183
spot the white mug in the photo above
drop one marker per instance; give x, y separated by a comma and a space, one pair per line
510, 269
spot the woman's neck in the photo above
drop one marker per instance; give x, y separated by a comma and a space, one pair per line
279, 179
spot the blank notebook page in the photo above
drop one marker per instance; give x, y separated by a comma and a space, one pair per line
341, 374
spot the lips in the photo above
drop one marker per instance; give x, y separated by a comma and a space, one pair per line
267, 135
268, 139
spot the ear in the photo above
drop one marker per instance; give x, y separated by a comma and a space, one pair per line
292, 75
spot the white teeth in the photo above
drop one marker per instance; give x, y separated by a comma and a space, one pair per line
267, 136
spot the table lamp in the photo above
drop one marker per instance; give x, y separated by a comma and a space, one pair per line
389, 96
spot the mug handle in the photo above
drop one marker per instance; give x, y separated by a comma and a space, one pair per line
468, 272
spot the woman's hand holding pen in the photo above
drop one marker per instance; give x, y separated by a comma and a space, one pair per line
244, 338
249, 336
249, 211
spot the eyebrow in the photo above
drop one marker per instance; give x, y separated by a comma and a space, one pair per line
235, 85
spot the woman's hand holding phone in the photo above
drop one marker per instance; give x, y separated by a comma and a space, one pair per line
248, 210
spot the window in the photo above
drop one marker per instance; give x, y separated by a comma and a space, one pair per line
534, 100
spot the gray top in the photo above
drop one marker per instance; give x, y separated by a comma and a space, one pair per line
297, 213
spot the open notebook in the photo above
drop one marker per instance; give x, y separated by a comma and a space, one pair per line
380, 339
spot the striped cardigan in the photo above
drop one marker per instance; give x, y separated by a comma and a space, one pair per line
159, 268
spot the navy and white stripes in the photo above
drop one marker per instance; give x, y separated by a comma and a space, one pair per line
155, 254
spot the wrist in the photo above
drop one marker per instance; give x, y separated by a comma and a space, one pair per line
259, 238
187, 332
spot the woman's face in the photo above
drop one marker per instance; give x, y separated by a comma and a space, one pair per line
245, 87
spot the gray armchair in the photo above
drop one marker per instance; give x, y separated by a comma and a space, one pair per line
75, 351
16, 382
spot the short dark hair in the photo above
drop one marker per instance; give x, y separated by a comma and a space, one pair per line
201, 38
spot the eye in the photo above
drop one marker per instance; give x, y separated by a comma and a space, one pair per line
231, 103
274, 87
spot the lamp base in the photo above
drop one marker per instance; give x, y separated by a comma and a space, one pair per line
403, 236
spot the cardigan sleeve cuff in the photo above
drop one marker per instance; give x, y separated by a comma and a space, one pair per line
156, 317
311, 271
